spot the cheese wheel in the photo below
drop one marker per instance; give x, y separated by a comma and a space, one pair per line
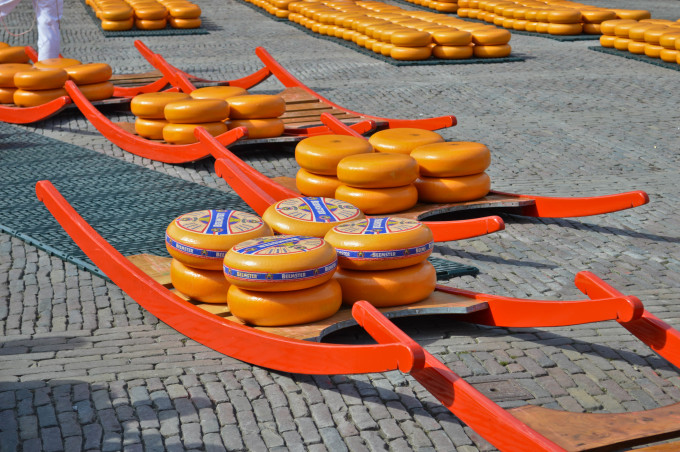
201, 239
256, 106
7, 97
3, 45
565, 29
597, 16
184, 10
184, 133
118, 25
311, 184
669, 40
15, 54
259, 128
637, 33
490, 37
380, 243
40, 79
452, 159
402, 140
150, 11
410, 53
196, 111
377, 170
176, 22
87, 74
608, 27
542, 27
653, 50
453, 189
151, 24
309, 216
379, 200
410, 38
622, 43
280, 263
116, 12
452, 52
218, 92
97, 91
637, 48
321, 154
607, 41
62, 63
668, 55
152, 105
653, 35
623, 29
451, 37
592, 29
632, 14
7, 72
385, 288
564, 16
150, 128
500, 51
25, 98
207, 286
285, 308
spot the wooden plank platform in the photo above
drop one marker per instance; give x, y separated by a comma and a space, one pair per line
135, 79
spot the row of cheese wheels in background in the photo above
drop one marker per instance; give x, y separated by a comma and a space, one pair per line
410, 165
29, 85
327, 253
120, 15
172, 117
553, 17
398, 33
655, 38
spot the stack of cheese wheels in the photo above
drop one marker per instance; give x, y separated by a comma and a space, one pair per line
184, 116
452, 171
259, 113
149, 109
655, 38
278, 8
378, 183
383, 261
115, 15
7, 86
183, 13
149, 14
282, 280
410, 45
12, 54
318, 158
309, 216
218, 92
93, 79
198, 242
402, 140
38, 86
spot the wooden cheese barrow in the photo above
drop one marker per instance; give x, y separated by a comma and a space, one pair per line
297, 349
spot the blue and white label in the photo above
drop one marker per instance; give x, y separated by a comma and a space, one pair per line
317, 209
279, 244
385, 254
193, 251
282, 276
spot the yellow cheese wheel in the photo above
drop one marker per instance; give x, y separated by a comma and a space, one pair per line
56, 63
218, 92
25, 98
490, 37
207, 286
321, 154
564, 16
184, 133
653, 50
87, 74
310, 216
280, 263
565, 29
7, 97
97, 91
40, 79
196, 111
377, 170
623, 28
607, 41
152, 105
311, 184
453, 189
151, 24
402, 140
622, 43
542, 27
451, 37
285, 308
118, 25
592, 29
410, 38
637, 33
184, 10
452, 52
669, 40
115, 12
380, 243
597, 16
7, 72
151, 12
668, 55
638, 48
201, 239
385, 288
500, 51
3, 45
403, 53
256, 106
379, 200
632, 14
150, 128
176, 22
15, 54
653, 35
259, 128
452, 159
608, 27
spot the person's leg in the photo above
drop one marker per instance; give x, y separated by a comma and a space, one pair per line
48, 14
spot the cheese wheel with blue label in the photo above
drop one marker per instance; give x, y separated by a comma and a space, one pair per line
280, 263
381, 243
321, 154
285, 308
207, 286
310, 216
201, 239
402, 140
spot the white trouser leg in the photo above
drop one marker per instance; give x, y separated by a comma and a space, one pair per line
48, 14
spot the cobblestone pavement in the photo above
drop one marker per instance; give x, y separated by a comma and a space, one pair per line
83, 367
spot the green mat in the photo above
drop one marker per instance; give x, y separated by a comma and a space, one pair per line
128, 205
632, 56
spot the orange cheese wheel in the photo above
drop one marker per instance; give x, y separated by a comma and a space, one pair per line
7, 97
207, 286
564, 16
380, 243
379, 200
15, 54
637, 33
451, 37
622, 43
176, 22
542, 27
623, 29
201, 239
311, 184
149, 12
377, 170
385, 288
118, 25
285, 308
259, 128
410, 38
87, 74
653, 50
116, 12
3, 45
25, 98
608, 27
638, 48
97, 91
402, 140
40, 79
184, 133
453, 189
196, 111
321, 154
62, 63
256, 106
184, 10
150, 128
597, 16
668, 55
403, 53
452, 52
452, 159
632, 14
653, 35
152, 105
490, 37
669, 40
218, 92
7, 72
592, 29
565, 29
151, 24
310, 216
280, 263
500, 51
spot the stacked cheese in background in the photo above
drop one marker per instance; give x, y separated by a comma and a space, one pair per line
655, 38
12, 54
121, 15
